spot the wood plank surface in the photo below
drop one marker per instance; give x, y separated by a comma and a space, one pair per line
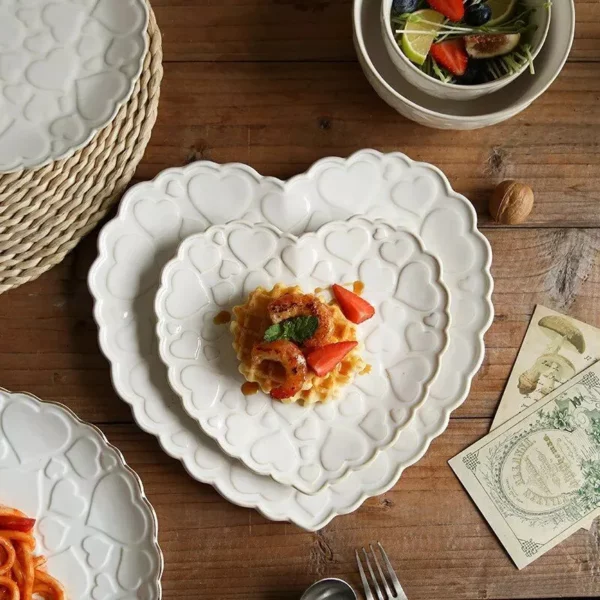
440, 545
279, 120
293, 30
275, 84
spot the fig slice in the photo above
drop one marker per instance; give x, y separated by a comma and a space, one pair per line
490, 45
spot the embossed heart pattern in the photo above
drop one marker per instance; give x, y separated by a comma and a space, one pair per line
412, 194
66, 66
90, 510
307, 447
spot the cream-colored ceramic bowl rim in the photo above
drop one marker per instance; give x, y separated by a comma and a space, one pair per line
386, 7
357, 21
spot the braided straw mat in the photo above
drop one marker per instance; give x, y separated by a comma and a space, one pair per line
45, 212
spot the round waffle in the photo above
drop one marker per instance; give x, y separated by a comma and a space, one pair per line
248, 327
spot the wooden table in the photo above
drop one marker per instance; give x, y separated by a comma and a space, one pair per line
275, 84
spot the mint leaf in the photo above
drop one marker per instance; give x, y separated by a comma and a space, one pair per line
273, 333
298, 329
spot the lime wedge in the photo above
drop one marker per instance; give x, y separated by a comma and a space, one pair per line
420, 30
502, 10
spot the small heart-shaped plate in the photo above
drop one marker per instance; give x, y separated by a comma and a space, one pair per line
62, 480
355, 252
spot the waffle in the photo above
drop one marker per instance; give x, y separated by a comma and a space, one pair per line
248, 327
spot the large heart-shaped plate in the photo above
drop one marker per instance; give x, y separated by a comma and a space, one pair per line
155, 216
307, 447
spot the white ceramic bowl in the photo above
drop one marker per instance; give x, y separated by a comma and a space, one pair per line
451, 91
413, 103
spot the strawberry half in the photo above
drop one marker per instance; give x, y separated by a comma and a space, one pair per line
453, 9
452, 55
323, 360
355, 308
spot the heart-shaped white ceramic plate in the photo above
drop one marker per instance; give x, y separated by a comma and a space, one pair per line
155, 216
94, 523
66, 67
305, 447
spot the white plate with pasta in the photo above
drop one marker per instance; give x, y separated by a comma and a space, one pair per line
74, 520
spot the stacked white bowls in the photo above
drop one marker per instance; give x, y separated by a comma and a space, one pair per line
415, 103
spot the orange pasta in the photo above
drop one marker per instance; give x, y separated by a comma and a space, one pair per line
23, 575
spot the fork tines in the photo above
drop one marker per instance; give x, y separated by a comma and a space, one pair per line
377, 584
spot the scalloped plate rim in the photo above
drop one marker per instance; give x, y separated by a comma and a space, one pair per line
136, 478
185, 458
163, 289
118, 104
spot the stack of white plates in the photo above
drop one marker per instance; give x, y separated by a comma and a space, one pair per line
413, 103
381, 218
65, 70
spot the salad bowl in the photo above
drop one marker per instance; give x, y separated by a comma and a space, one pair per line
415, 104
541, 18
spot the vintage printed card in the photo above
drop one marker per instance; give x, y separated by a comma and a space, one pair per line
536, 478
555, 349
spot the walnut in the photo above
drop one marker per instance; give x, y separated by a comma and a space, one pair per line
511, 202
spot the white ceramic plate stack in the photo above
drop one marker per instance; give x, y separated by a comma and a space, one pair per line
66, 67
413, 103
425, 266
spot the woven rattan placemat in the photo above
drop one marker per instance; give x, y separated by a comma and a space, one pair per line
45, 212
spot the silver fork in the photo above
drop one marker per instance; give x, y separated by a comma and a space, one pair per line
397, 594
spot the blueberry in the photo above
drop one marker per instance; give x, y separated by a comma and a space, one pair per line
476, 73
405, 6
478, 14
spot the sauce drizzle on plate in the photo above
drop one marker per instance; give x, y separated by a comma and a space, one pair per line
222, 318
249, 388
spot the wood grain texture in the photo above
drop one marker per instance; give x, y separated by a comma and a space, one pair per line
275, 84
280, 120
292, 30
439, 543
